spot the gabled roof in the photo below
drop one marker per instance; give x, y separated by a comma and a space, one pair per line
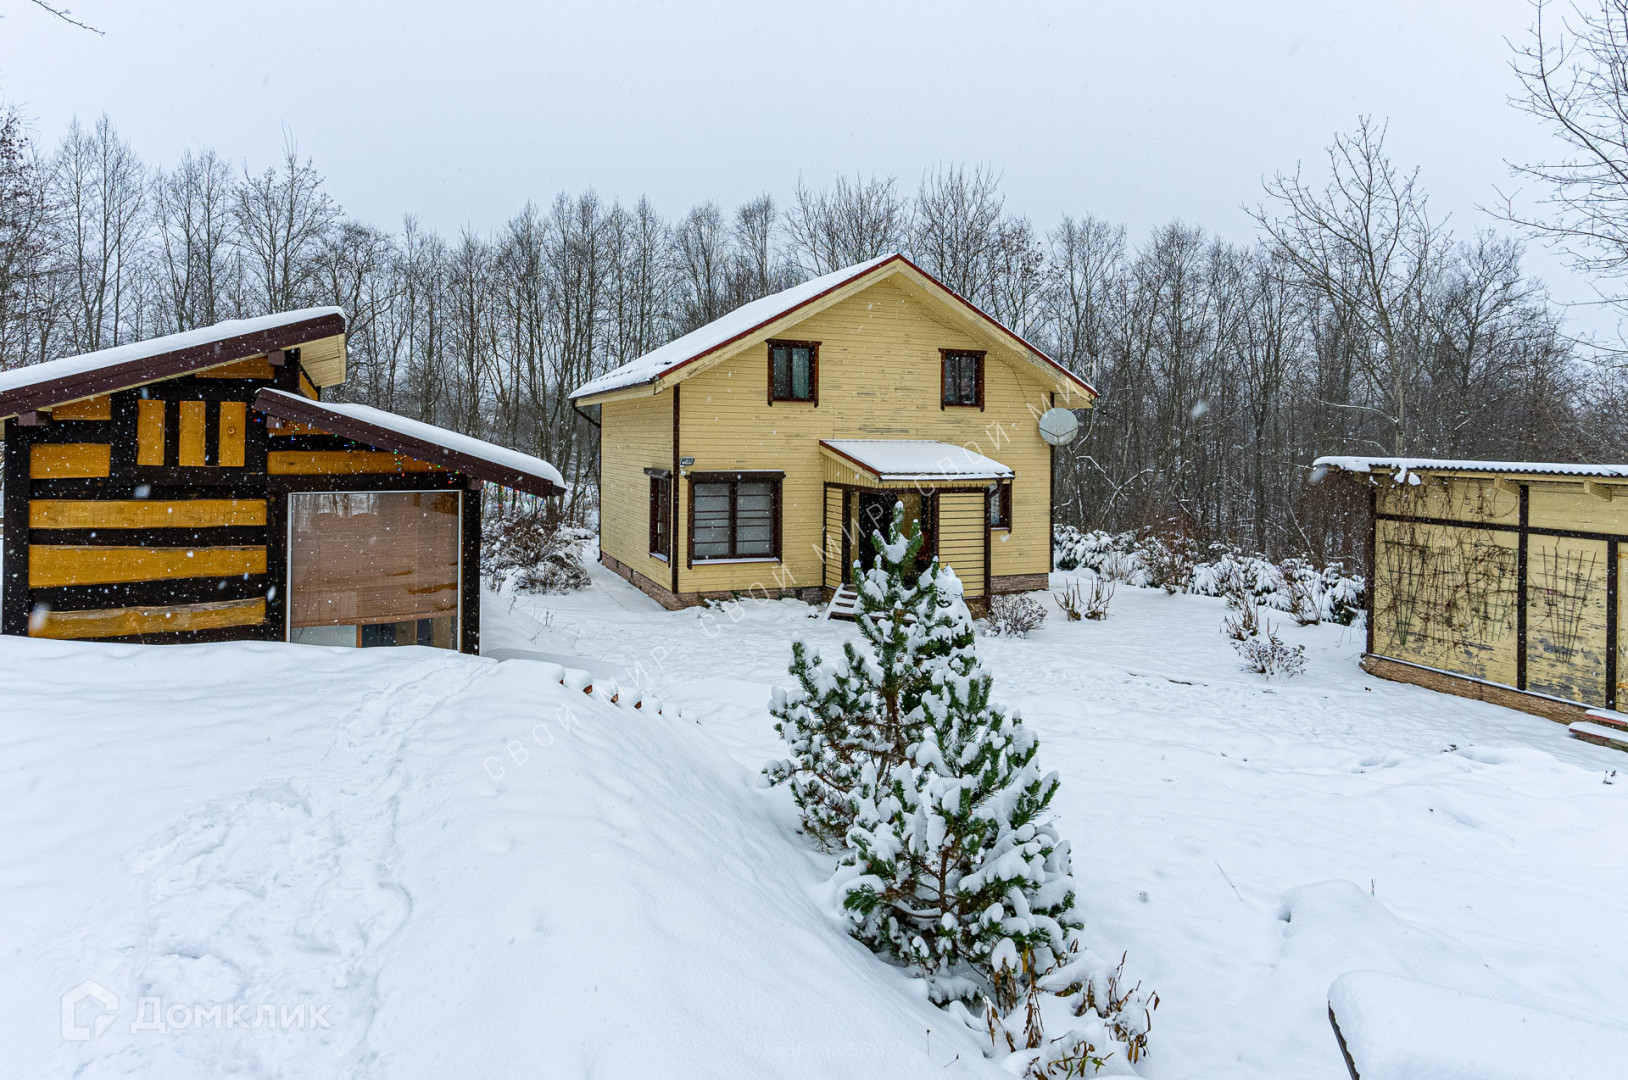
678, 359
57, 382
426, 442
1404, 465
914, 459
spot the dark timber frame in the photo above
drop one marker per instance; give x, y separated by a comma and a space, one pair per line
813, 348
944, 356
774, 478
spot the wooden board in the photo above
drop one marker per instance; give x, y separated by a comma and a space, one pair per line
57, 461
341, 463
961, 537
255, 367
194, 424
130, 621
145, 513
1565, 618
51, 565
234, 426
149, 432
96, 408
306, 388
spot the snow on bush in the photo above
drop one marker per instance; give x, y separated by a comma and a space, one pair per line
948, 858
1014, 615
526, 549
1266, 654
1295, 587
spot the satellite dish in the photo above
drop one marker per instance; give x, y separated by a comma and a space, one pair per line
1059, 426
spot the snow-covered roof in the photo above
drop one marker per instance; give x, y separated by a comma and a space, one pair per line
749, 318
123, 366
915, 459
426, 442
1404, 465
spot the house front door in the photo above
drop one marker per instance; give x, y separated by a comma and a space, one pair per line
875, 511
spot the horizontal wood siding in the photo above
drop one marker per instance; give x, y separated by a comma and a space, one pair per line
145, 514
95, 408
52, 565
342, 463
834, 524
64, 460
638, 435
138, 621
879, 379
961, 538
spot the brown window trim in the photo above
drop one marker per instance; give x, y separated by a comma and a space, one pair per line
775, 477
944, 379
1005, 497
661, 513
813, 348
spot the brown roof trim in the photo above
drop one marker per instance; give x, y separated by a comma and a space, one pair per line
168, 365
287, 407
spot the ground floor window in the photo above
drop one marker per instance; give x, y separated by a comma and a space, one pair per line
1000, 506
368, 568
734, 517
661, 516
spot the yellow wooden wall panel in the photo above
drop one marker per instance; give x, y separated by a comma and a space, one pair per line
190, 447
233, 428
342, 463
51, 565
145, 513
59, 461
961, 538
834, 526
96, 408
1565, 618
1446, 598
149, 432
1455, 498
124, 622
879, 379
1569, 506
638, 434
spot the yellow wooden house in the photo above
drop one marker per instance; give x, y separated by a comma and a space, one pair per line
755, 454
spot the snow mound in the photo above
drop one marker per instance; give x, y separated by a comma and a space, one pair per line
464, 867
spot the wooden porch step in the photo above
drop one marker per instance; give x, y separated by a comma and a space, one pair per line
1608, 718
1600, 734
844, 604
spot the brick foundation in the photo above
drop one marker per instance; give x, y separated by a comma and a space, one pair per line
675, 601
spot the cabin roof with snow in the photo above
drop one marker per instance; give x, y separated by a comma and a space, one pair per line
319, 334
761, 319
1402, 466
913, 460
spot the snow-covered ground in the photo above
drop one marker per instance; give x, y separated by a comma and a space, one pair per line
390, 836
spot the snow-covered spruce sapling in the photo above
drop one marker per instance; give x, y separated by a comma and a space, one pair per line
955, 867
864, 709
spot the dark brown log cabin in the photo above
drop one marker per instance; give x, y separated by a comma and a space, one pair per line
195, 488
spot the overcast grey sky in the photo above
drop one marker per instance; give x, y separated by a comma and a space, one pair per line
460, 112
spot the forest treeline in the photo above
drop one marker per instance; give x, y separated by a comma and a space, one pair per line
1351, 322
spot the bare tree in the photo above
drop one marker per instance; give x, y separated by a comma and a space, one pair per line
99, 188
955, 228
845, 224
282, 215
193, 215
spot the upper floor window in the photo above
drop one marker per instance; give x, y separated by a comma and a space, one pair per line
794, 371
963, 378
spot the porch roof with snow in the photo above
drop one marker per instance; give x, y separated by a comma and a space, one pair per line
761, 319
914, 460
1401, 467
426, 442
319, 334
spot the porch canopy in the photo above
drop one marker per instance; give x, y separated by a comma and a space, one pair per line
883, 462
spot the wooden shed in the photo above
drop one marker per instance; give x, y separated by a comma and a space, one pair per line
1497, 580
196, 488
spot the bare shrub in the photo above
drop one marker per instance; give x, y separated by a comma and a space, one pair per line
1014, 615
1266, 654
1245, 621
531, 550
1077, 604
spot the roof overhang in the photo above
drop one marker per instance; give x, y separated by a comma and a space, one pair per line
1403, 467
964, 315
914, 461
320, 337
473, 457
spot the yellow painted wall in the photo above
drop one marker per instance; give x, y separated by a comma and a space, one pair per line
879, 373
636, 434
